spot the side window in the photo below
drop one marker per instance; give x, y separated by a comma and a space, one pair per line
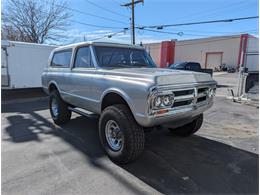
83, 58
188, 67
195, 66
137, 58
61, 58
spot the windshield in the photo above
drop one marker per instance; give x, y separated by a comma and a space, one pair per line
123, 57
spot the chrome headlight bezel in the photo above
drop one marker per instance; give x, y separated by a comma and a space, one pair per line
211, 92
161, 101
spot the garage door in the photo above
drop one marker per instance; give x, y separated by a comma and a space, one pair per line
213, 60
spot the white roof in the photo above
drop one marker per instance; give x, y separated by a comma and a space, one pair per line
111, 44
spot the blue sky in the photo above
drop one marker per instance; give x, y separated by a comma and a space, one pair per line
156, 12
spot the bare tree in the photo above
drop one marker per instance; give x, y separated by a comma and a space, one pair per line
35, 21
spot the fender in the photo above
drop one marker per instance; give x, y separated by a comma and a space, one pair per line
121, 93
53, 83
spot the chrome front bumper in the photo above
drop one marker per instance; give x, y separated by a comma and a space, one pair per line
187, 112
196, 102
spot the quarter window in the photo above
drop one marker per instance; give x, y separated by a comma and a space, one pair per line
61, 58
83, 58
193, 66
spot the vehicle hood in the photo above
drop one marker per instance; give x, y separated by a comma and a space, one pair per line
160, 76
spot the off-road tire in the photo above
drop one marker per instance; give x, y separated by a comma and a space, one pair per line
64, 113
189, 128
133, 133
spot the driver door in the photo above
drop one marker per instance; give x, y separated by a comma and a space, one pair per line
82, 79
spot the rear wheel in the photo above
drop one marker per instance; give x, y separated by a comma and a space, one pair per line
121, 137
58, 109
189, 128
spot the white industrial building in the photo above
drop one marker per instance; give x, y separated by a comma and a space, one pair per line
211, 52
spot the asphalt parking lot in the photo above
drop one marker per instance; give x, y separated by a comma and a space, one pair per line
39, 157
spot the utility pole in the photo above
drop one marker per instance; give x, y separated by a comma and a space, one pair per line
132, 4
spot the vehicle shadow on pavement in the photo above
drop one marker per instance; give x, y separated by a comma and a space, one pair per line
169, 164
195, 165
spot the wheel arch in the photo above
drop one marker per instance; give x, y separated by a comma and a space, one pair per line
53, 86
115, 96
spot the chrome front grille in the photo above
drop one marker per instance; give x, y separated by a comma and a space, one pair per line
182, 99
190, 96
183, 92
202, 94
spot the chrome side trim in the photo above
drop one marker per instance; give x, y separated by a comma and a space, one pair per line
78, 96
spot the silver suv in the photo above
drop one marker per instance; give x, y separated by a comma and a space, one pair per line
121, 84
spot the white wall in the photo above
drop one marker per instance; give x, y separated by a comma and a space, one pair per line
155, 51
195, 50
253, 44
252, 54
26, 63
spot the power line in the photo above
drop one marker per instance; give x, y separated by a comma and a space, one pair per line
108, 10
90, 14
212, 32
207, 11
235, 9
200, 22
182, 32
108, 35
164, 32
117, 2
82, 23
213, 39
94, 25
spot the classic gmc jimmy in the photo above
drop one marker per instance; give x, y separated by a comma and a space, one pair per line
122, 85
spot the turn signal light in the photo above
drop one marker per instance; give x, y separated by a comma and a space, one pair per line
161, 112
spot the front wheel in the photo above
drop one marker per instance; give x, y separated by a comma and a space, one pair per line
58, 109
189, 128
121, 137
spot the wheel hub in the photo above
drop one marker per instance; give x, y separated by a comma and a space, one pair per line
54, 107
114, 135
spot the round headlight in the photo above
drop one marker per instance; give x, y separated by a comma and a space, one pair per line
211, 92
167, 100
158, 101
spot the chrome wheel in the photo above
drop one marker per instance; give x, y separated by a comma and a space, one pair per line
114, 135
54, 107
